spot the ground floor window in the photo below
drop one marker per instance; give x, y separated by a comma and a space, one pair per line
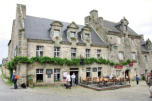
88, 72
99, 71
56, 74
39, 75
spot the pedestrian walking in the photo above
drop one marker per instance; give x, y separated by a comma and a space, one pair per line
14, 79
73, 79
137, 79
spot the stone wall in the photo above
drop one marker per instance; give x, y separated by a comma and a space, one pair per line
65, 52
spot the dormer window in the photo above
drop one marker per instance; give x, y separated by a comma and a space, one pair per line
56, 33
72, 34
87, 36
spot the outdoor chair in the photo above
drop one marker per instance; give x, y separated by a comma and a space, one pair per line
95, 80
88, 80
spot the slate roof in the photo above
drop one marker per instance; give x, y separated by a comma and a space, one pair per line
111, 26
38, 28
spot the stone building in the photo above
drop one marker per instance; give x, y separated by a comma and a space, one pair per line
34, 36
5, 71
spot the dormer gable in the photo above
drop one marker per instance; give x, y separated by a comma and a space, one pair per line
73, 25
86, 34
57, 23
72, 32
56, 31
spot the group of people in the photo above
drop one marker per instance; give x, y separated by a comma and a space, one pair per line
71, 80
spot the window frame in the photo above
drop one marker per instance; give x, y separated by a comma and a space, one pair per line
88, 37
88, 51
120, 56
57, 51
39, 51
56, 73
72, 33
55, 34
73, 53
99, 55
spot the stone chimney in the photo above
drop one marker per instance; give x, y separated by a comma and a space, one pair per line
94, 14
124, 24
20, 11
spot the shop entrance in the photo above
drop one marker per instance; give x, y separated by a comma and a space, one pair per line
127, 76
76, 71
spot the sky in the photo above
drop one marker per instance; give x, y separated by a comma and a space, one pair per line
137, 12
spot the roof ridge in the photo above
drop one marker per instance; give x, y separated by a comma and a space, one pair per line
53, 20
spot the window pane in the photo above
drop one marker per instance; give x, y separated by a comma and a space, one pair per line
56, 33
87, 36
72, 34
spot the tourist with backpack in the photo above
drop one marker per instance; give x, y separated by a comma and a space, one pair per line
14, 79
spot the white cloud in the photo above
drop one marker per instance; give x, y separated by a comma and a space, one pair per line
138, 12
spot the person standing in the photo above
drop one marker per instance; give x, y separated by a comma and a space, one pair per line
137, 79
14, 79
73, 79
68, 80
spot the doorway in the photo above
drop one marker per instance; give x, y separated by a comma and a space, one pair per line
75, 70
127, 76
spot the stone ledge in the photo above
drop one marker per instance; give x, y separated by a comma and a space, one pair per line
106, 88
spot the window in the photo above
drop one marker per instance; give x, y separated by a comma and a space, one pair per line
132, 41
88, 72
87, 36
72, 34
73, 53
56, 74
87, 53
15, 51
56, 51
120, 56
118, 40
98, 53
39, 51
99, 71
39, 75
56, 33
133, 56
118, 73
146, 58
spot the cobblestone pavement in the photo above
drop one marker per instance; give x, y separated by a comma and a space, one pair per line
134, 93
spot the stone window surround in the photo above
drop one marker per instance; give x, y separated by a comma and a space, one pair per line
73, 53
56, 51
39, 50
121, 55
88, 53
99, 53
88, 72
56, 31
56, 74
118, 40
133, 55
72, 34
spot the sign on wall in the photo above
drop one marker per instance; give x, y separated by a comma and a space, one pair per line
49, 71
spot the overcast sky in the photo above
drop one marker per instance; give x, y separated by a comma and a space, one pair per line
138, 13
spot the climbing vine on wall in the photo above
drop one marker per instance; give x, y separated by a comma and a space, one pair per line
61, 61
